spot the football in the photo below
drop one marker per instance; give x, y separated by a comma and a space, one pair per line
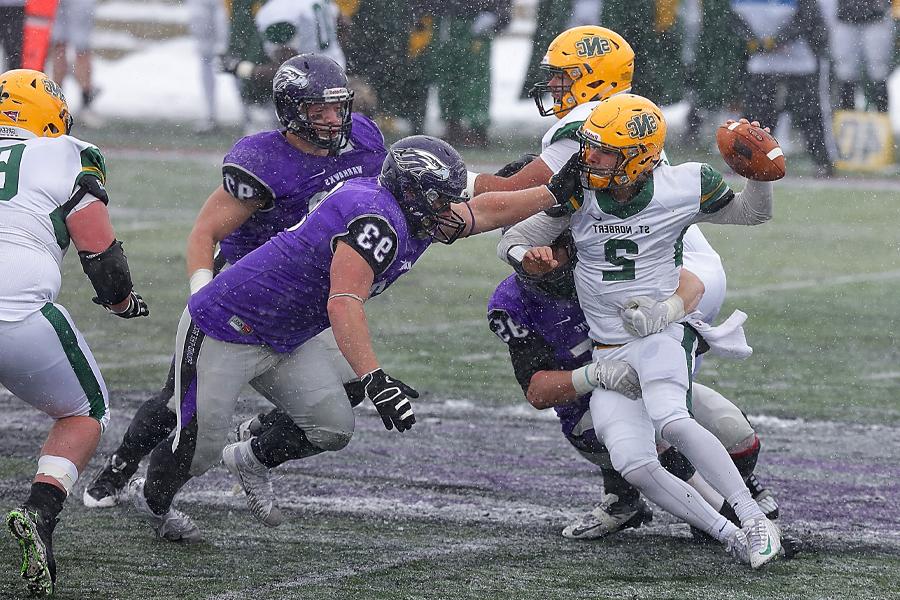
751, 151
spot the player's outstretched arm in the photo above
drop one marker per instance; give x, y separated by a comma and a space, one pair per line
527, 172
498, 209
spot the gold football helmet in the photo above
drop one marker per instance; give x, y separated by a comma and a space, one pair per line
581, 65
628, 126
32, 104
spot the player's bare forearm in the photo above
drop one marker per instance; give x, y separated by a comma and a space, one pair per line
351, 331
690, 290
550, 388
221, 214
498, 209
533, 174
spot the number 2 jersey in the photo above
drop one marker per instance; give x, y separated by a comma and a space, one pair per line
277, 295
37, 178
635, 249
266, 169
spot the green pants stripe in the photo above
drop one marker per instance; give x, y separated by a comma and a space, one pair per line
77, 359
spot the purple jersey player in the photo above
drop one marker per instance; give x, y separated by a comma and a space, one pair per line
270, 180
258, 322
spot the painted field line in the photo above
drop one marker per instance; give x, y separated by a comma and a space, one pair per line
810, 283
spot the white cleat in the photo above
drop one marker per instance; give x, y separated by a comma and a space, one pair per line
764, 538
611, 516
256, 481
174, 526
739, 547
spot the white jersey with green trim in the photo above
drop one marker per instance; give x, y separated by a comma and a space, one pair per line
635, 249
37, 178
304, 25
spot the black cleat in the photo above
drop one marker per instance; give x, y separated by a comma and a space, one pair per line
109, 486
766, 499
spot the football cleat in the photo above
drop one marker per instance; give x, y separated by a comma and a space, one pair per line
256, 481
738, 546
35, 539
764, 537
764, 498
611, 516
241, 432
174, 526
110, 486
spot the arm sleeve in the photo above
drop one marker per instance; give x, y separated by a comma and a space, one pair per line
752, 206
537, 230
528, 351
373, 238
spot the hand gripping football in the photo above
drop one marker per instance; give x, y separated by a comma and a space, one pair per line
751, 151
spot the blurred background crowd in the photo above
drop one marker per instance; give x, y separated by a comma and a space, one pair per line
798, 59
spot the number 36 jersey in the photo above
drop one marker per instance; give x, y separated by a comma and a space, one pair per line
37, 178
635, 249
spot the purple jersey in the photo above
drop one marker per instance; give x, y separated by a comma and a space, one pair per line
543, 333
265, 168
277, 294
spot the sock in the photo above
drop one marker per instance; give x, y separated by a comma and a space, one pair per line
711, 459
680, 500
47, 500
705, 490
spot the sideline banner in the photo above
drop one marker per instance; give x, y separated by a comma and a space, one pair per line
864, 140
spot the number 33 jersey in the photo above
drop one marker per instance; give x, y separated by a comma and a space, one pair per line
37, 178
277, 295
635, 249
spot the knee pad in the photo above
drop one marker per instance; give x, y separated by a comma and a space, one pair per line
328, 440
721, 417
61, 469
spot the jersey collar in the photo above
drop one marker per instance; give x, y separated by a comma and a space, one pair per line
608, 205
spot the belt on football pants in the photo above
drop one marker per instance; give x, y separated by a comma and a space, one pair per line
599, 346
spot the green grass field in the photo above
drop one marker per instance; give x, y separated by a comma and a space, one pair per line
820, 284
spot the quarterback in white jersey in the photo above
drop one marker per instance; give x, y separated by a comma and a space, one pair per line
628, 232
52, 194
584, 66
306, 26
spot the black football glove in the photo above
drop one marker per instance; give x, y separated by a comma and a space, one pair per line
356, 392
391, 398
566, 188
516, 165
137, 307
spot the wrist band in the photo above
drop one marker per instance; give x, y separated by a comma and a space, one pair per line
584, 380
199, 279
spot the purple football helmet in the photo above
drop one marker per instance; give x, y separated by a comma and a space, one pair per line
308, 79
426, 175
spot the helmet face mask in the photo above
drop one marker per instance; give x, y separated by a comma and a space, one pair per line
303, 88
32, 105
627, 127
426, 176
597, 61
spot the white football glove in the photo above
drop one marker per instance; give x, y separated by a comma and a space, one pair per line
644, 316
613, 375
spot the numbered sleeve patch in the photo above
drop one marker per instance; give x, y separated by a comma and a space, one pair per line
244, 186
374, 239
